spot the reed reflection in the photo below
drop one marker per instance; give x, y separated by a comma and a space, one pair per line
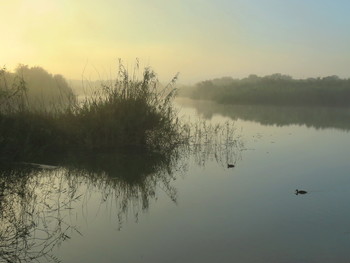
32, 207
39, 203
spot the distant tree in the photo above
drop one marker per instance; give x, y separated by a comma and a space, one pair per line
331, 78
44, 90
277, 89
278, 76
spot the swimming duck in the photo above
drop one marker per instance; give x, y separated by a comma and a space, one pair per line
230, 165
301, 192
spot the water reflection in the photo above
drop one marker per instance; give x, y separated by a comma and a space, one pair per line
131, 179
39, 204
32, 204
317, 117
36, 203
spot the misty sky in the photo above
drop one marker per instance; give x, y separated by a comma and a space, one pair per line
201, 39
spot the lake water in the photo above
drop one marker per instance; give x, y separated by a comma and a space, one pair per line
191, 207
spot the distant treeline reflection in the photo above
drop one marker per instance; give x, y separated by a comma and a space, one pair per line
317, 117
276, 89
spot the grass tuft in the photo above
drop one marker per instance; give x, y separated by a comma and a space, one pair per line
130, 113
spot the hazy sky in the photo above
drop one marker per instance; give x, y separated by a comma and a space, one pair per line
201, 39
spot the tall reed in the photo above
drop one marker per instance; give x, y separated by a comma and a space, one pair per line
130, 113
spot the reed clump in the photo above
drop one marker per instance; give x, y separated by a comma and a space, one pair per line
131, 112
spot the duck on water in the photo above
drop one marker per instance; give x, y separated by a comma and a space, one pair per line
300, 192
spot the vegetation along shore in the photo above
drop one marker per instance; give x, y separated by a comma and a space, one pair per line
276, 89
129, 112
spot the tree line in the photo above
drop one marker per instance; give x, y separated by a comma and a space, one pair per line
33, 87
276, 89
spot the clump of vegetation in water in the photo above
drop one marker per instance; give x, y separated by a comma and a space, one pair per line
130, 113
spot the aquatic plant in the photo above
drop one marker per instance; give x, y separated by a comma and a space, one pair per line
130, 113
125, 140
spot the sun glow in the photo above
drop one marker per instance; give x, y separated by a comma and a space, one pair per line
197, 38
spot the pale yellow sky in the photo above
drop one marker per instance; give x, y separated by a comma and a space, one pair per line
201, 39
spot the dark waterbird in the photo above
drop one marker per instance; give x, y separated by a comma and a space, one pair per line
301, 192
230, 165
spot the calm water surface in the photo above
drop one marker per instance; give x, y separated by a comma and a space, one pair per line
192, 208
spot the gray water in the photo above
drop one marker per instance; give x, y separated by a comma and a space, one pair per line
193, 208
